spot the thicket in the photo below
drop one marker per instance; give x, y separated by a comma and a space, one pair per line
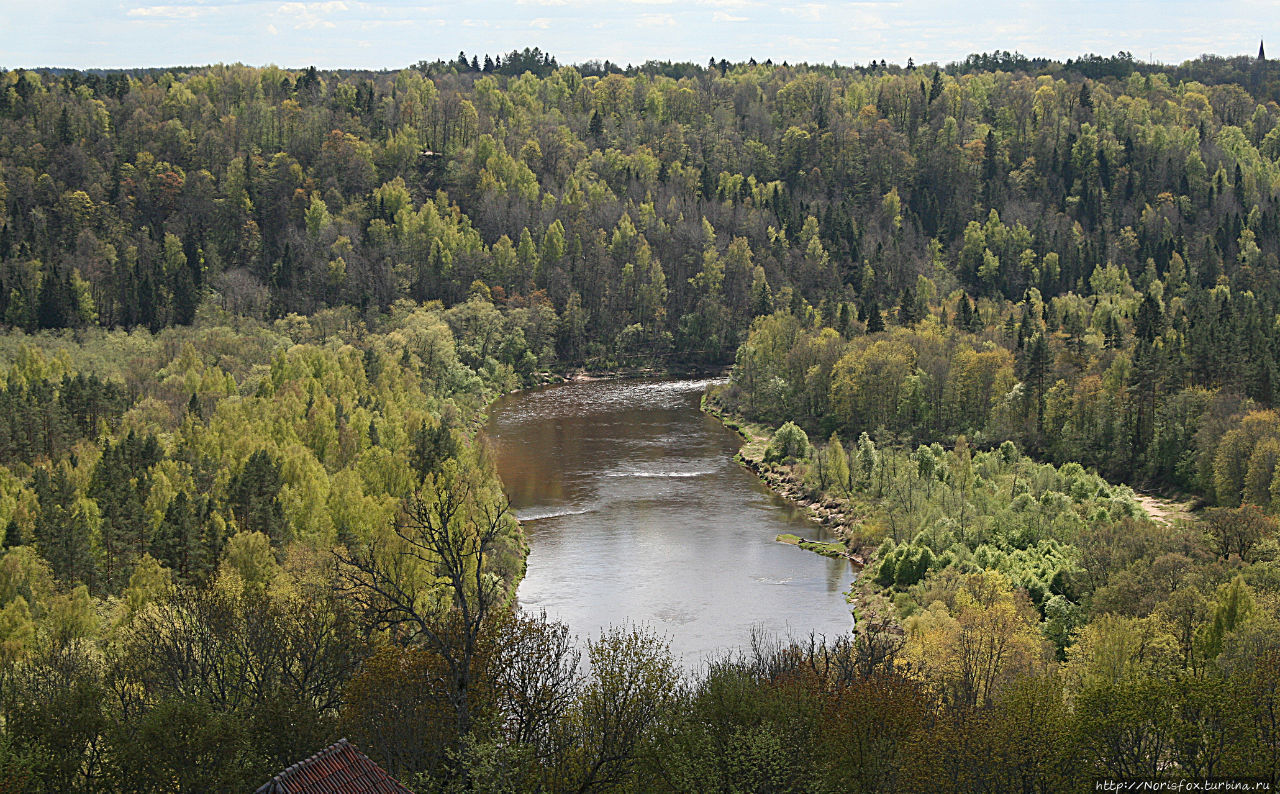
198, 522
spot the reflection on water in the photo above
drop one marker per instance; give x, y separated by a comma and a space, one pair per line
636, 512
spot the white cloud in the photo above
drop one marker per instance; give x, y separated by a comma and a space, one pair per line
170, 12
381, 24
723, 16
803, 43
312, 15
272, 30
810, 12
541, 23
657, 20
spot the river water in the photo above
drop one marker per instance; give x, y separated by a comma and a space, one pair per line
636, 512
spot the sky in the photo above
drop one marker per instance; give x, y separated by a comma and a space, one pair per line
396, 33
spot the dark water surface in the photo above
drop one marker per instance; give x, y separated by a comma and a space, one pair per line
636, 512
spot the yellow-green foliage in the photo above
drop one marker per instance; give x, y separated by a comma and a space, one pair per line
335, 405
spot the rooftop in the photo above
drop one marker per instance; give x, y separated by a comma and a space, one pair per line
337, 769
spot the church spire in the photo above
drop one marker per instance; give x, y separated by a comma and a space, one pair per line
1262, 52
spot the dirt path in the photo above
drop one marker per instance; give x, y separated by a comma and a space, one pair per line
1163, 511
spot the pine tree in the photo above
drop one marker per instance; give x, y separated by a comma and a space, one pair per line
964, 313
761, 295
55, 301
62, 533
907, 316
935, 87
65, 134
1149, 322
989, 161
844, 320
875, 322
120, 485
1114, 336
177, 538
253, 496
433, 444
1035, 364
185, 296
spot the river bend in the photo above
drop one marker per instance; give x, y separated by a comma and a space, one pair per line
635, 511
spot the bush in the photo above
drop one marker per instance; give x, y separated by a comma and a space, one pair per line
790, 442
887, 571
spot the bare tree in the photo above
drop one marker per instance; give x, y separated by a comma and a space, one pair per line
537, 678
426, 579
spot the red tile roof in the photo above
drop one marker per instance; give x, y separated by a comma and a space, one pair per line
337, 769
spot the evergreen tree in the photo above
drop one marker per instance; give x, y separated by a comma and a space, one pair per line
1035, 365
120, 485
253, 497
433, 444
844, 320
62, 532
875, 322
172, 542
907, 315
55, 308
1114, 336
1149, 322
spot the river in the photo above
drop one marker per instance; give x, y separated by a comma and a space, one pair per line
635, 511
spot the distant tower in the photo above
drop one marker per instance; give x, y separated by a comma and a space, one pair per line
1262, 51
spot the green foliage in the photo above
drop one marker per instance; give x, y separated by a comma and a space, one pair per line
284, 328
789, 442
253, 497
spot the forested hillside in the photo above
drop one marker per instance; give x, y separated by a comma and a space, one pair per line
1118, 236
254, 314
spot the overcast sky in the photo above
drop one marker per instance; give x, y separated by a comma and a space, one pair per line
397, 33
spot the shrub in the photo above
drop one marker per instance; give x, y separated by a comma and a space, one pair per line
790, 442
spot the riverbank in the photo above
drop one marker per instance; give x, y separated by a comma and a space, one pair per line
837, 516
871, 611
935, 509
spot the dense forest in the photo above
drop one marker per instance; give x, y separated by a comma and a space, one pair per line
254, 316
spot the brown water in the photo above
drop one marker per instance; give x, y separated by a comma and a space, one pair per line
636, 512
